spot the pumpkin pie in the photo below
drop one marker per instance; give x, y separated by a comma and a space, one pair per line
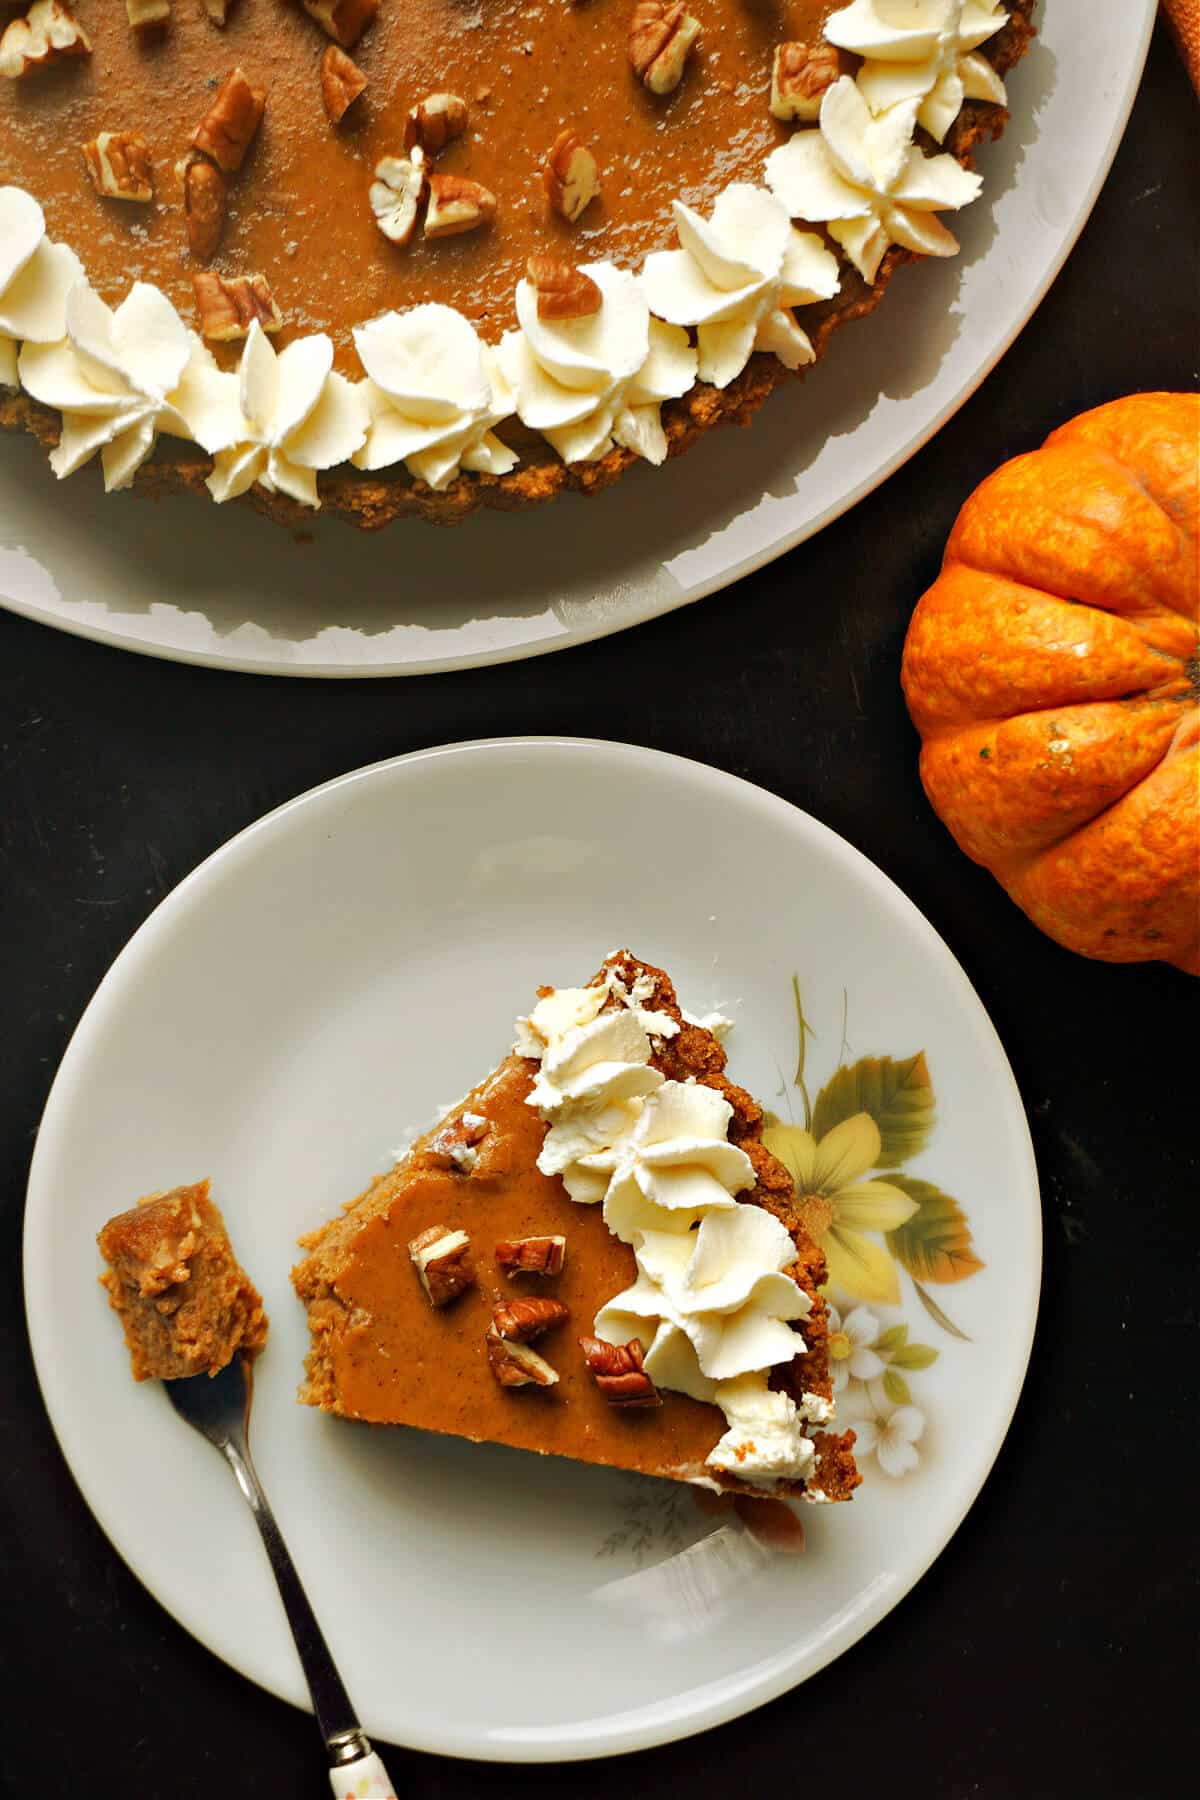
186, 1304
593, 1255
419, 258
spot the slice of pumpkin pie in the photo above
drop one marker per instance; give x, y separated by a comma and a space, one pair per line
592, 1255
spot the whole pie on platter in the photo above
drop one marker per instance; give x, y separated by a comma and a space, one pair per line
592, 1255
393, 258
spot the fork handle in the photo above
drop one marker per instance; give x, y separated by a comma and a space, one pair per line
355, 1769
364, 1779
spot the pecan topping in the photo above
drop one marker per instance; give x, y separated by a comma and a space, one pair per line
434, 121
48, 30
227, 129
203, 206
119, 165
442, 1258
229, 305
144, 15
531, 1255
516, 1365
520, 1321
619, 1373
217, 10
800, 74
342, 20
563, 291
457, 205
396, 194
571, 176
342, 81
455, 1146
660, 41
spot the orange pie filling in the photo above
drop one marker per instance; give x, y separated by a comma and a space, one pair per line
674, 1327
439, 238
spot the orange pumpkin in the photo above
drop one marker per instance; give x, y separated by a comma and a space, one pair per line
1053, 673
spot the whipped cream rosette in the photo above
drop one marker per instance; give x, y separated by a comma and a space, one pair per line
120, 377
298, 416
921, 50
434, 392
711, 1304
588, 383
863, 177
734, 278
35, 279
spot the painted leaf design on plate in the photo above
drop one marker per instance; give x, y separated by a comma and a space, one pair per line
898, 1094
896, 1388
935, 1244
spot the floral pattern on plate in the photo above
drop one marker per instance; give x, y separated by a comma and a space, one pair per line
876, 1225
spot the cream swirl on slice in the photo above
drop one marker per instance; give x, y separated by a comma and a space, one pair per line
35, 279
711, 1303
298, 415
735, 278
921, 50
865, 179
434, 392
588, 383
120, 377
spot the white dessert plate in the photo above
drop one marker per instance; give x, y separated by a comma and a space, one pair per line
238, 592
317, 989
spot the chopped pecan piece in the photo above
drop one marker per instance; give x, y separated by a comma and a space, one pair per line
229, 305
660, 42
456, 1145
48, 30
563, 291
145, 15
203, 206
800, 75
217, 10
520, 1321
571, 176
342, 20
457, 205
342, 81
434, 121
618, 1372
531, 1255
227, 129
119, 165
516, 1365
396, 194
442, 1258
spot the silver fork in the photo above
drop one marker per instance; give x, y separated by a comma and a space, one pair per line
219, 1408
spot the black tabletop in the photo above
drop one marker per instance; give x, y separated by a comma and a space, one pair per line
1050, 1650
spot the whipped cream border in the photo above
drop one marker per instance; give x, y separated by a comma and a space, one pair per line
734, 284
712, 1303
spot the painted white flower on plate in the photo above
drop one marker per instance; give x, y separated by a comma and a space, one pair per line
852, 1355
119, 378
887, 1432
736, 277
865, 179
921, 50
298, 415
434, 392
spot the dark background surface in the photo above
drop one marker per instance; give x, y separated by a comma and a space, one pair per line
1051, 1649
